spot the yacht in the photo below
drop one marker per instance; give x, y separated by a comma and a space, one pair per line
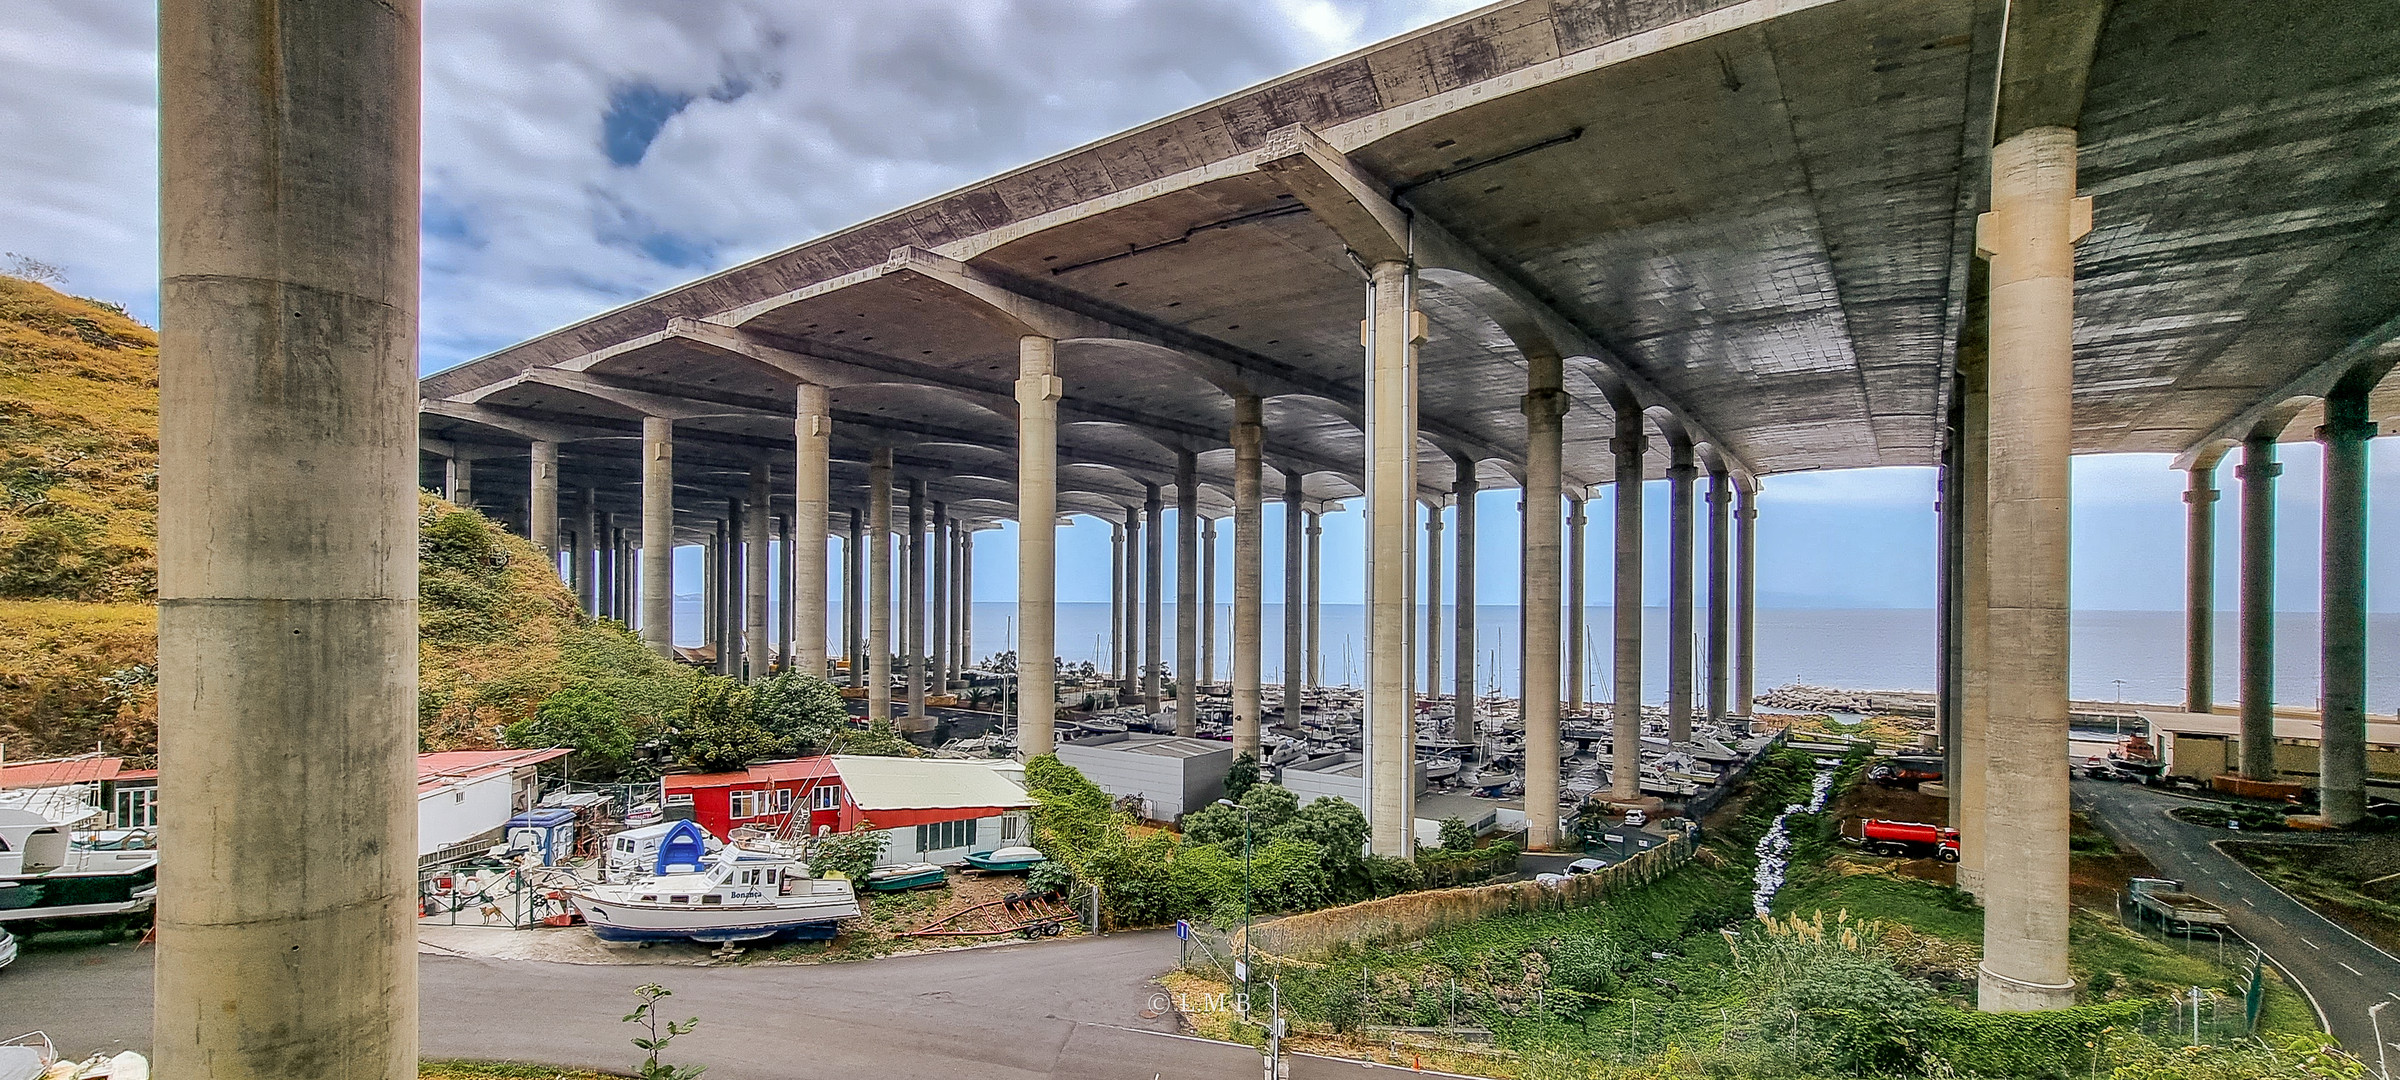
735, 893
52, 880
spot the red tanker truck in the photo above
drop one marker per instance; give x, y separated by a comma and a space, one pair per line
1907, 839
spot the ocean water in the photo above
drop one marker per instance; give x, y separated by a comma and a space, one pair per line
2114, 655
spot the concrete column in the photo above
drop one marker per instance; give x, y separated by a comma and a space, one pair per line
287, 531
1545, 408
1433, 599
2258, 471
658, 534
1208, 601
1745, 602
1295, 596
1575, 605
2342, 751
462, 480
1720, 607
541, 516
1463, 491
1625, 724
854, 602
612, 572
879, 584
915, 637
590, 585
1313, 662
1681, 643
783, 613
1249, 590
811, 508
1130, 676
966, 596
723, 573
1394, 330
1038, 389
1153, 603
939, 660
2029, 235
1187, 593
757, 652
1116, 598
1972, 478
2200, 589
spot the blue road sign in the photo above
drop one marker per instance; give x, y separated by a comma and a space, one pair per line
1183, 930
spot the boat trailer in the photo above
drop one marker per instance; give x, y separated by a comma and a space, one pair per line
1035, 914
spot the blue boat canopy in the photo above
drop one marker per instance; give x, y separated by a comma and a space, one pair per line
681, 850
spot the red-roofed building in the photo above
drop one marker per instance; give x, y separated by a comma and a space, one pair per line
463, 796
59, 772
936, 810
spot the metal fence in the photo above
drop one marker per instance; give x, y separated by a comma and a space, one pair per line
489, 892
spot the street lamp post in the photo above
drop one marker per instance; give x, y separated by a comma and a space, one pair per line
2382, 1063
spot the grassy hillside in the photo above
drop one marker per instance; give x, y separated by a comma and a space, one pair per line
79, 577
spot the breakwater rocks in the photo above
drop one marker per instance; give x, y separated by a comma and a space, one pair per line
1823, 699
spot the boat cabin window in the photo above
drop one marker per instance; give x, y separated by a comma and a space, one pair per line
651, 897
711, 898
679, 899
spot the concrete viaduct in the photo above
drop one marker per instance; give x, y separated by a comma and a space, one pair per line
1550, 244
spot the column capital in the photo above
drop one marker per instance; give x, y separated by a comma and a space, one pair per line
1629, 445
2258, 470
1685, 472
1545, 403
2359, 431
2201, 495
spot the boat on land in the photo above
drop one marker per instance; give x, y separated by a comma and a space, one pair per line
52, 880
731, 894
1006, 860
902, 878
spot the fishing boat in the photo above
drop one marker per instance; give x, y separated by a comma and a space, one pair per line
902, 878
1006, 860
51, 881
732, 894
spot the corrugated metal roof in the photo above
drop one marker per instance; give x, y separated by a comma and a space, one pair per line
891, 783
59, 772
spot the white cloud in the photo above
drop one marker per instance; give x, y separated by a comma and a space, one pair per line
801, 119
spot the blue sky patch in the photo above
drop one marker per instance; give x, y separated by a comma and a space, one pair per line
636, 113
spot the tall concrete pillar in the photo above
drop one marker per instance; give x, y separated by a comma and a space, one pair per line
1038, 389
1681, 643
1545, 408
1295, 599
541, 516
1720, 607
1130, 676
725, 588
1208, 601
854, 600
1249, 588
658, 534
2030, 235
589, 562
1625, 669
1313, 663
462, 479
1394, 330
1463, 491
2342, 750
966, 596
1116, 598
1575, 605
1187, 593
2258, 471
939, 660
287, 532
812, 507
1745, 601
879, 584
612, 574
1972, 477
1153, 600
915, 636
756, 650
2200, 588
788, 573
1433, 598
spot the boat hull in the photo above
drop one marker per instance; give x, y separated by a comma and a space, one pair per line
921, 879
614, 919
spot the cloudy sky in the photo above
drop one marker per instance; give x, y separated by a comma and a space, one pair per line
582, 154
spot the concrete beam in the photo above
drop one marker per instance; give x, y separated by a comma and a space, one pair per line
1367, 216
2275, 409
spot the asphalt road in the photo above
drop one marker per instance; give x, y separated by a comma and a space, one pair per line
1067, 1010
2339, 971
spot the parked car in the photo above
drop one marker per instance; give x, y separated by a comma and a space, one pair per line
8, 948
1586, 866
1635, 819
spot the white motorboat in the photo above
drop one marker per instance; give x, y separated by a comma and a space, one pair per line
51, 879
732, 894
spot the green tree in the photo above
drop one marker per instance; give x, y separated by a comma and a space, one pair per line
583, 720
849, 854
1242, 776
717, 731
1457, 835
1073, 820
877, 739
1339, 833
805, 711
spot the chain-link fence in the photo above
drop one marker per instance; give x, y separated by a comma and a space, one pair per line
490, 893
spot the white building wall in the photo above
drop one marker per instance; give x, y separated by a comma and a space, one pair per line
998, 831
456, 812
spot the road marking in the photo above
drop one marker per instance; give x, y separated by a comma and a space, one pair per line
2311, 944
2352, 970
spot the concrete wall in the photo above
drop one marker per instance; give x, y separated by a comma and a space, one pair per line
2295, 762
455, 812
1173, 785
